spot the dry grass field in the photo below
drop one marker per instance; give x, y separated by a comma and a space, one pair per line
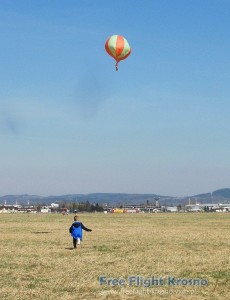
38, 262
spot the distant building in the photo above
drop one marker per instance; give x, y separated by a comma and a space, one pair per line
134, 210
8, 209
45, 210
54, 205
117, 210
27, 209
172, 209
193, 208
208, 207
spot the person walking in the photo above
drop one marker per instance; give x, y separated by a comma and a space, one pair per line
76, 231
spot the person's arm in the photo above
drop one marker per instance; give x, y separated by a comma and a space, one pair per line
86, 229
70, 229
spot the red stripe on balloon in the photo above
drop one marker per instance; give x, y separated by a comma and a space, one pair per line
107, 48
119, 45
124, 57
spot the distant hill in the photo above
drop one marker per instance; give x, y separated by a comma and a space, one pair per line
113, 199
221, 195
225, 193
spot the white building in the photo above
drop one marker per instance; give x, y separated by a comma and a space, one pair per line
45, 210
54, 205
172, 209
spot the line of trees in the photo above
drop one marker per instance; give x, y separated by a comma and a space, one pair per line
82, 206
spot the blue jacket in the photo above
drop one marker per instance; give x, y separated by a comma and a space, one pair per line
76, 230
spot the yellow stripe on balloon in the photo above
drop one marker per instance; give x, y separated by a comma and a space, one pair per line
112, 45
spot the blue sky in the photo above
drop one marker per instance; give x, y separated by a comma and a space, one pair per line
69, 123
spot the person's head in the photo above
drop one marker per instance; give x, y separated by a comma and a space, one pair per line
75, 218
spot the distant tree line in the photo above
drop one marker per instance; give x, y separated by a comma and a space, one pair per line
82, 206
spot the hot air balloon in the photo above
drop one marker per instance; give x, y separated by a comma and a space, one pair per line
117, 47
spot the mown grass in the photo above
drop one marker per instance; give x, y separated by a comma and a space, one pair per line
38, 262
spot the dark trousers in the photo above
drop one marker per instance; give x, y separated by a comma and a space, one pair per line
74, 243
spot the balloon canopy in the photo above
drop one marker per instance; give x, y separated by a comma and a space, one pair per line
117, 47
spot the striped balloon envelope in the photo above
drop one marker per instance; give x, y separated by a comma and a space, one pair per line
117, 47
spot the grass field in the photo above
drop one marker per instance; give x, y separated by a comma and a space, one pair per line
38, 262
